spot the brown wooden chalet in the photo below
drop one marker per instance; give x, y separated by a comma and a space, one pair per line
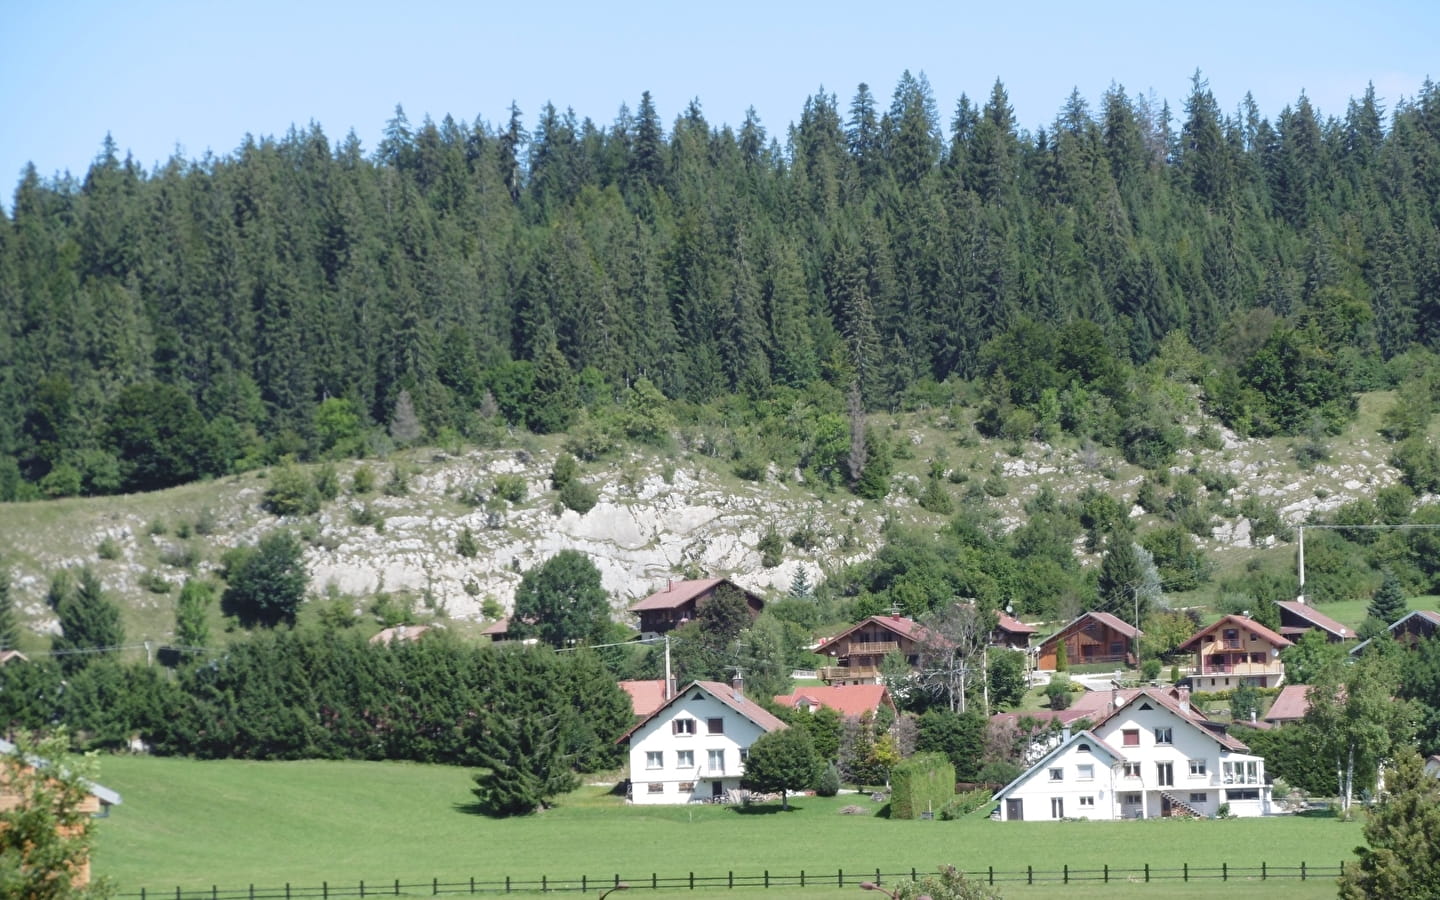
1236, 651
1092, 637
856, 652
1298, 617
1409, 630
1011, 633
667, 610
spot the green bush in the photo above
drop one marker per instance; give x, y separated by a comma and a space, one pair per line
565, 470
109, 548
290, 493
579, 496
465, 544
829, 783
923, 783
771, 547
512, 487
962, 805
363, 481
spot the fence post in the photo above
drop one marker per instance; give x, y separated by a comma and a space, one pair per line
1263, 874
434, 886
912, 873
692, 881
1029, 874
472, 884
1186, 870
1147, 873
654, 882
544, 884
214, 892
1302, 870
1065, 877
507, 884
584, 885
802, 880
992, 875
1107, 873
839, 877
1224, 871
252, 893
287, 891
325, 890
397, 887
730, 880
767, 879
362, 891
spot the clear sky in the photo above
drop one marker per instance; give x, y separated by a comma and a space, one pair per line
198, 76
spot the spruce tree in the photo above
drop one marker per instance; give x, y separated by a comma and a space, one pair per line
1388, 604
89, 624
9, 626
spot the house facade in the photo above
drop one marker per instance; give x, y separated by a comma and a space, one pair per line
677, 604
1149, 757
1409, 630
1092, 637
692, 749
856, 652
1236, 651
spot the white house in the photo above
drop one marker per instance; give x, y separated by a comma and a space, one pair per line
1150, 755
693, 747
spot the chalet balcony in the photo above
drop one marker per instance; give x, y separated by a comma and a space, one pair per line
1241, 668
848, 673
873, 648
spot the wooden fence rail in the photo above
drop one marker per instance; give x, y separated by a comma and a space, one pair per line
583, 884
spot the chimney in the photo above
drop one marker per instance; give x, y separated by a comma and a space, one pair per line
1184, 700
1065, 735
737, 685
669, 585
1252, 715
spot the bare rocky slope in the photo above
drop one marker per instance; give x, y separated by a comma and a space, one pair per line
658, 517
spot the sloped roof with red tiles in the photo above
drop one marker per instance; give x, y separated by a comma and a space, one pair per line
1014, 626
645, 696
726, 695
905, 627
1315, 616
678, 593
1234, 621
1067, 716
500, 627
1290, 704
848, 699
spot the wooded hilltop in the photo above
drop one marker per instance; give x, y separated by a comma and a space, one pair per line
301, 298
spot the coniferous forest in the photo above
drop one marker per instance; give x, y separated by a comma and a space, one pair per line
303, 296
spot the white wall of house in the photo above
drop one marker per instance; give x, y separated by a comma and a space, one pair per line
1161, 753
678, 757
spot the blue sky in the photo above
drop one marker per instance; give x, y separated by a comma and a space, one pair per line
199, 76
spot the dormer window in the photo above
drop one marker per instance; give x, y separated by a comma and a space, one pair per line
1083, 748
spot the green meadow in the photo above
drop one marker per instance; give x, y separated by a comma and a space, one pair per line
191, 824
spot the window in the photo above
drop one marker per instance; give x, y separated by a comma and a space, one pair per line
684, 727
1057, 807
1131, 737
1085, 773
1165, 774
1132, 770
744, 755
1198, 797
655, 759
687, 787
1197, 768
1117, 648
1130, 799
1057, 774
1243, 794
655, 787
1241, 772
1162, 736
1087, 803
717, 760
685, 759
1083, 748
715, 726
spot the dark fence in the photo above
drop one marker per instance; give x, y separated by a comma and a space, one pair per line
333, 890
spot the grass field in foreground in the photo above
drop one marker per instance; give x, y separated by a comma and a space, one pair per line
233, 823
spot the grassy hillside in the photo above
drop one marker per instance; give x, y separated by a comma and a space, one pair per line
196, 824
660, 514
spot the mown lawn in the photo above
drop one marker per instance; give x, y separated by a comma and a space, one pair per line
196, 824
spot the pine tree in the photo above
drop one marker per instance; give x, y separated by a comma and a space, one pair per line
1388, 604
89, 624
192, 611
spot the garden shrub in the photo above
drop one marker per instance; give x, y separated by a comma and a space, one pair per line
924, 782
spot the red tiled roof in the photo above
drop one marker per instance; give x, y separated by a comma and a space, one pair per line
726, 695
500, 627
645, 696
1064, 716
905, 627
1015, 626
1290, 704
676, 593
848, 700
1311, 614
1266, 634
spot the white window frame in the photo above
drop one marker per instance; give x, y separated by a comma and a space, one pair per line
654, 759
1164, 736
1085, 772
1057, 773
684, 759
1197, 768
